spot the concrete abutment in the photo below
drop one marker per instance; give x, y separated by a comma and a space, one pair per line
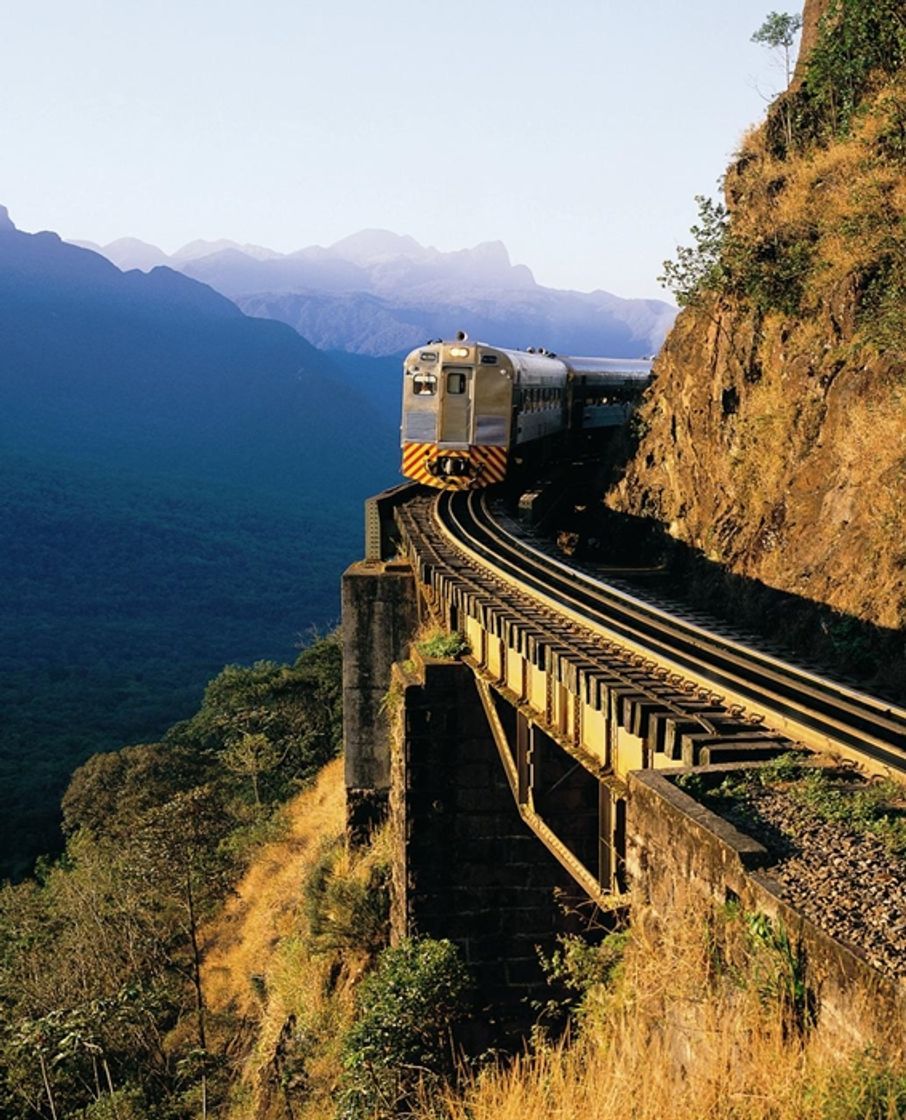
380, 618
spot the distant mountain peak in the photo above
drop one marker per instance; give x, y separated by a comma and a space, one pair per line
494, 251
196, 250
131, 243
130, 252
376, 244
6, 222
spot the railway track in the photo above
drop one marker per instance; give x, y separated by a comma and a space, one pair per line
802, 704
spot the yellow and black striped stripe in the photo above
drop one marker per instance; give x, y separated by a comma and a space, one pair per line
488, 466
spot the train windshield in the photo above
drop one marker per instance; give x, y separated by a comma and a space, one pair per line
424, 385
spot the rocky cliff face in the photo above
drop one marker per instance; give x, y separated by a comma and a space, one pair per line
775, 432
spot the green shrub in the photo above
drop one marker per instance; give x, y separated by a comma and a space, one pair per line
699, 268
347, 907
881, 315
585, 973
124, 1104
860, 44
769, 272
402, 1048
779, 969
867, 1089
443, 645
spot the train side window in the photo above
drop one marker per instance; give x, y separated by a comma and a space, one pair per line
424, 385
456, 383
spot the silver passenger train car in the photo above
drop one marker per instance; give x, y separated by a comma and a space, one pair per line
469, 409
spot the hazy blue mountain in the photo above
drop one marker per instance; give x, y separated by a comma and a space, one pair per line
158, 369
380, 293
129, 252
565, 322
377, 379
198, 249
180, 486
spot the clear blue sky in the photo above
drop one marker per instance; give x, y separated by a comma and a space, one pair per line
576, 131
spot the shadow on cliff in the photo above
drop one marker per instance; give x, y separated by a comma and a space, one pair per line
641, 550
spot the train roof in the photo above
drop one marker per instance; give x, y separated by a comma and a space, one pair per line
629, 367
540, 361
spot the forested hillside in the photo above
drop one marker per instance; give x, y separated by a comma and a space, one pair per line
104, 1005
180, 486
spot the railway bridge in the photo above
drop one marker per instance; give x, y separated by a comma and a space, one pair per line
528, 779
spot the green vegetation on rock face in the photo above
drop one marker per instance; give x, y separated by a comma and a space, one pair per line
861, 48
861, 45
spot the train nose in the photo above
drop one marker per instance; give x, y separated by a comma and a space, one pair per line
450, 466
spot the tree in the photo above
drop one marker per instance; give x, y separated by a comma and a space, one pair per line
779, 32
178, 854
699, 268
252, 754
296, 707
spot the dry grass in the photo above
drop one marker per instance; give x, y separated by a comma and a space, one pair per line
281, 996
239, 946
689, 1034
258, 971
843, 196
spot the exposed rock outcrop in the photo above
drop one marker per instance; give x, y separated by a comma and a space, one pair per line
775, 433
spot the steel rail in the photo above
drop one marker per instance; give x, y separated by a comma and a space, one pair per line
814, 709
661, 694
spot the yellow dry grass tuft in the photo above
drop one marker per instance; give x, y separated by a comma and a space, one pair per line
689, 1033
281, 966
844, 199
239, 945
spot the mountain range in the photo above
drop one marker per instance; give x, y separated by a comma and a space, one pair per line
180, 487
379, 293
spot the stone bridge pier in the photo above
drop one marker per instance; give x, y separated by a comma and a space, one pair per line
420, 749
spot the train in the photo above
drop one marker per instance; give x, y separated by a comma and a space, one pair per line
473, 413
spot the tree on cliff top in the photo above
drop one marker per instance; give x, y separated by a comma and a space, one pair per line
779, 32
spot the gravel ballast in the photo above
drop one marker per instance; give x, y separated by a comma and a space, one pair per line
846, 882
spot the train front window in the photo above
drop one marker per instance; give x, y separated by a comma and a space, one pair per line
456, 383
424, 385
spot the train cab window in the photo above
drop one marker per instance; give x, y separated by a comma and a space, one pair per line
456, 382
489, 359
424, 385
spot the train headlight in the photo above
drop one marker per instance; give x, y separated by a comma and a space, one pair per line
459, 351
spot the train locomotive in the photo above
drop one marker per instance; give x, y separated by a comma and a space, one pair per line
472, 412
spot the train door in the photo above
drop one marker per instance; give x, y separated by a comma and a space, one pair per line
456, 405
